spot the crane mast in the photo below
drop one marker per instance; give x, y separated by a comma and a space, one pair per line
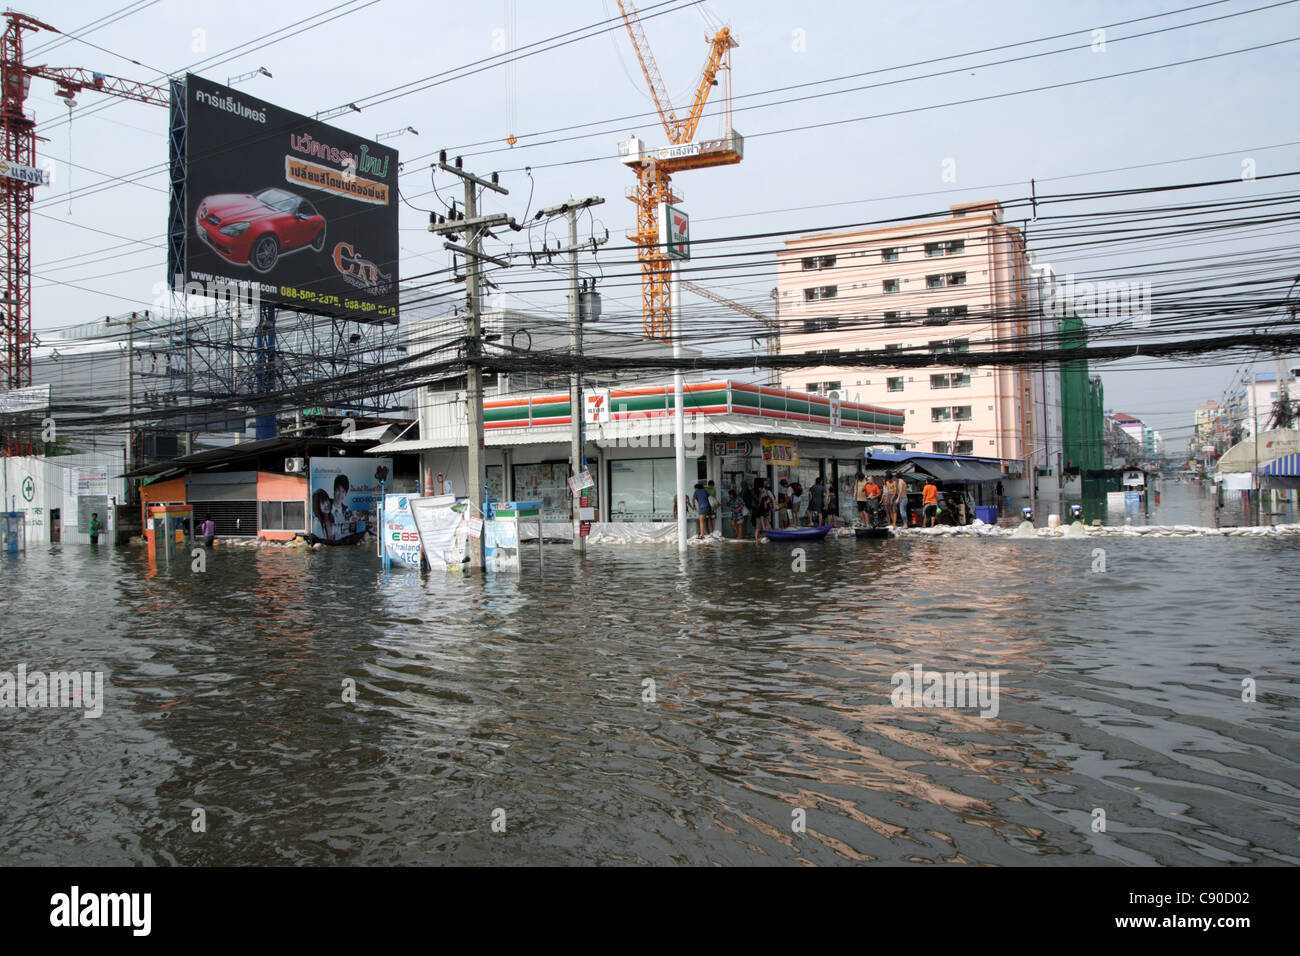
20, 177
654, 168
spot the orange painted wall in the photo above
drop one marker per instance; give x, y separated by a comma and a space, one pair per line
171, 492
280, 488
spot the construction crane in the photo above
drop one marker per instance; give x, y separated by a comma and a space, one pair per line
654, 167
767, 321
19, 178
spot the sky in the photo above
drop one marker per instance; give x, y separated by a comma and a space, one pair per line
101, 251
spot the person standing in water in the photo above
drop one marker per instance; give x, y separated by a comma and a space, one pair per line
96, 528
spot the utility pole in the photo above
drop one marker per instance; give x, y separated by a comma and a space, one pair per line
474, 227
130, 396
576, 410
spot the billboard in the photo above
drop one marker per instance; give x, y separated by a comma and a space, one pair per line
287, 210
342, 494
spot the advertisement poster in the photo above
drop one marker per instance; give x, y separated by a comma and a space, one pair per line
547, 483
437, 524
780, 451
301, 214
401, 539
342, 493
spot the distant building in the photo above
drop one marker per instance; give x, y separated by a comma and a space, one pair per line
938, 287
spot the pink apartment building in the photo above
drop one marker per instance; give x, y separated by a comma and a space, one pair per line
932, 287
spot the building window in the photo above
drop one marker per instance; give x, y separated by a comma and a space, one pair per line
895, 347
941, 280
950, 380
820, 292
941, 447
889, 255
894, 384
283, 516
953, 248
950, 413
818, 262
889, 286
953, 448
943, 314
893, 318
948, 346
821, 323
964, 448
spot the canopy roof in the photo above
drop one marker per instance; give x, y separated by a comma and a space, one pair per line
954, 468
1247, 455
1288, 466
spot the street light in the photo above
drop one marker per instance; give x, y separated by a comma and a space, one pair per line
260, 71
338, 111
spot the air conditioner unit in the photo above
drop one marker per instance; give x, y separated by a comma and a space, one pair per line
295, 466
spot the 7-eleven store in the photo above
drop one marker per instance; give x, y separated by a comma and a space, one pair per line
734, 432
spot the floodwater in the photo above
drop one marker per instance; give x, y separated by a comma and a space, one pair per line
1121, 734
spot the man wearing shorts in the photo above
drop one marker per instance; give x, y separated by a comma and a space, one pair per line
765, 507
930, 503
860, 496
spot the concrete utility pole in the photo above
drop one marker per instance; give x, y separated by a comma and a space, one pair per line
576, 410
474, 227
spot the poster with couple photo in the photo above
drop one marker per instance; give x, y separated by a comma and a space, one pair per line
343, 493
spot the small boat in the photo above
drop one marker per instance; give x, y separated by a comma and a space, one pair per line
883, 532
798, 534
354, 538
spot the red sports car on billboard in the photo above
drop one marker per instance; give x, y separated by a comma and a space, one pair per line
256, 229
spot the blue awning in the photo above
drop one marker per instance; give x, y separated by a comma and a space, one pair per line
1288, 466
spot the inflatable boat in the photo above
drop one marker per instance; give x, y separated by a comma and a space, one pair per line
798, 534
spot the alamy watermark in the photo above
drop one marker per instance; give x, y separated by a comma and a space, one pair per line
28, 690
918, 687
1124, 301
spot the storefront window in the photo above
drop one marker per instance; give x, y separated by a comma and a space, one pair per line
547, 483
848, 478
642, 489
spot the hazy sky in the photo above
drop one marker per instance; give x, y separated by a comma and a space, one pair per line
809, 179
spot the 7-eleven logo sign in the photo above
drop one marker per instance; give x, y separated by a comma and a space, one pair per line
598, 407
674, 232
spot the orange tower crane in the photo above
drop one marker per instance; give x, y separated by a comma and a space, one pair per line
654, 167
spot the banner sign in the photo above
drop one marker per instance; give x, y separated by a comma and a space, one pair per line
32, 175
781, 451
735, 448
401, 539
437, 522
30, 398
343, 493
93, 483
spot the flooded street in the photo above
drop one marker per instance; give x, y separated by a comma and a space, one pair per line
523, 700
